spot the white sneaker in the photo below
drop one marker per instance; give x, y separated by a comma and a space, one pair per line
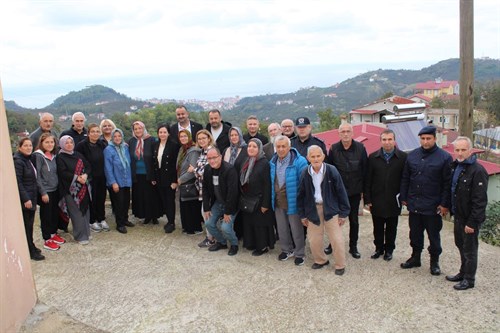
84, 242
104, 226
96, 227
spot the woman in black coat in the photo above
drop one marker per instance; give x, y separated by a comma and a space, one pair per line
26, 183
165, 153
255, 184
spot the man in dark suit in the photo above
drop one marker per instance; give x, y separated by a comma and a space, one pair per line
219, 129
183, 122
385, 169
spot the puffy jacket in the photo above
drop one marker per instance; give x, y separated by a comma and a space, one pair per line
114, 170
292, 179
26, 179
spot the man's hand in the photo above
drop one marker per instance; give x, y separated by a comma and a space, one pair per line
341, 221
207, 215
227, 218
442, 210
468, 230
305, 222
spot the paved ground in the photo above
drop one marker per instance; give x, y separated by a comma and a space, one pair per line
148, 281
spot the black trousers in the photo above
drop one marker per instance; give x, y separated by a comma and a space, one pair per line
49, 214
467, 245
430, 223
120, 202
384, 233
167, 198
191, 215
97, 212
29, 220
354, 201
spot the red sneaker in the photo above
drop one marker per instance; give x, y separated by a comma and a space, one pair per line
50, 245
58, 239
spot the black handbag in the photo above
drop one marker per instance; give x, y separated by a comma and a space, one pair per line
247, 204
189, 192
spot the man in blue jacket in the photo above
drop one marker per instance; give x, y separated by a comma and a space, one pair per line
286, 167
425, 190
323, 208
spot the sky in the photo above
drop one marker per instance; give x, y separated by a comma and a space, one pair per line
212, 49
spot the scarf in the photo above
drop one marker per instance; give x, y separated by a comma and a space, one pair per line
120, 149
62, 142
247, 169
184, 149
235, 148
139, 147
77, 192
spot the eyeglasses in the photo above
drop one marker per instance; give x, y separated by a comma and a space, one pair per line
213, 158
286, 126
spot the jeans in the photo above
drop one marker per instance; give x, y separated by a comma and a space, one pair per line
226, 232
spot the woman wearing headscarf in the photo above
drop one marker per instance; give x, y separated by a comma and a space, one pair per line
74, 171
145, 198
92, 148
190, 207
165, 152
255, 184
118, 179
26, 182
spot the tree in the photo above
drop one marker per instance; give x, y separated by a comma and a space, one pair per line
387, 95
328, 120
437, 103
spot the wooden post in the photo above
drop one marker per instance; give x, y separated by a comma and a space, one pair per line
466, 67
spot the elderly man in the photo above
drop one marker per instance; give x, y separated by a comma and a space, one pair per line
425, 190
351, 160
304, 138
286, 167
46, 123
253, 130
469, 199
220, 201
287, 128
77, 131
183, 122
274, 129
385, 168
219, 129
323, 207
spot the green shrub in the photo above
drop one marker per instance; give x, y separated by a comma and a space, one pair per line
490, 230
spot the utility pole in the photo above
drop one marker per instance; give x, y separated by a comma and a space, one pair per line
466, 67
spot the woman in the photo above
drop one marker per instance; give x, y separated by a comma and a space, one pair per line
48, 199
73, 172
190, 207
165, 176
145, 202
92, 148
118, 179
26, 183
107, 127
255, 184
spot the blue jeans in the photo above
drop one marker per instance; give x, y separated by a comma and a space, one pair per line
214, 222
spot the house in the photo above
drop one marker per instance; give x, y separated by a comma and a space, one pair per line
446, 118
366, 133
373, 112
437, 88
421, 98
488, 138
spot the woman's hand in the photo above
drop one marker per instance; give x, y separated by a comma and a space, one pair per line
115, 187
28, 204
173, 186
45, 198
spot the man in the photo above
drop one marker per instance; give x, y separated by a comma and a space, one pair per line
323, 207
351, 160
274, 129
469, 198
287, 128
220, 201
46, 123
385, 168
219, 129
286, 167
425, 191
253, 130
77, 131
183, 122
304, 138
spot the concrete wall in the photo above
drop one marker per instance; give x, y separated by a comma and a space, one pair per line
17, 287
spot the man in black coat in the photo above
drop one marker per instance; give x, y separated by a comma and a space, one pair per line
385, 168
253, 126
77, 131
183, 122
220, 201
304, 138
219, 129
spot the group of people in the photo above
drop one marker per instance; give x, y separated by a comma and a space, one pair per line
249, 187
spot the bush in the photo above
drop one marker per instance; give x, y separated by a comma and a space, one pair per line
490, 230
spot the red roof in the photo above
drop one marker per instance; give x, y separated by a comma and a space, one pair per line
401, 100
365, 111
491, 168
433, 85
368, 134
422, 96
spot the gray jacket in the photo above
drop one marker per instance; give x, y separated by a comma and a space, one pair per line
191, 158
46, 170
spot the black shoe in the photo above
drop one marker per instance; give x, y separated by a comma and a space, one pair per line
169, 228
257, 253
455, 278
232, 250
377, 254
388, 256
463, 285
435, 270
155, 221
318, 266
299, 261
217, 246
122, 229
129, 224
146, 221
340, 271
410, 263
37, 250
37, 256
354, 253
328, 249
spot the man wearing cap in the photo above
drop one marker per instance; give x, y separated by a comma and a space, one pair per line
425, 191
253, 130
304, 138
